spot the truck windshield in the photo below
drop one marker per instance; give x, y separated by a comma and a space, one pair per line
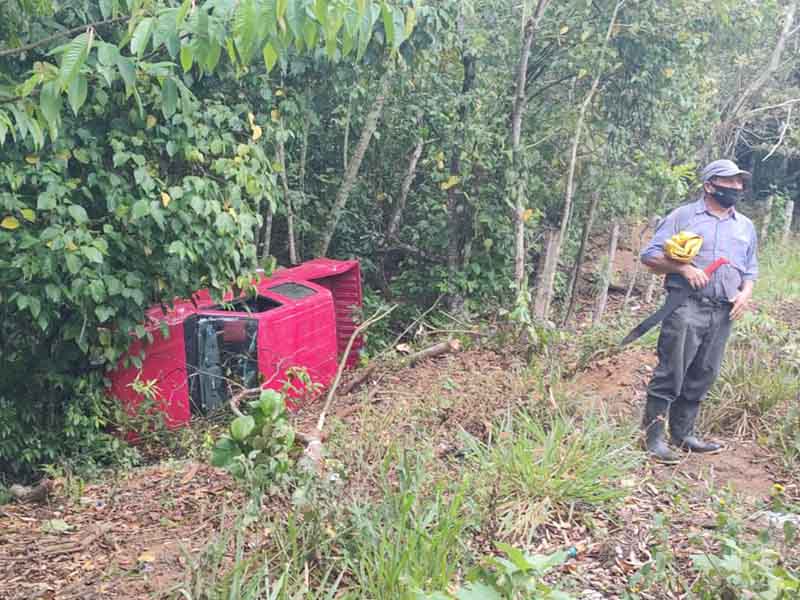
221, 358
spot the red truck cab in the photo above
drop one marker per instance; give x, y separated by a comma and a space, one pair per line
300, 317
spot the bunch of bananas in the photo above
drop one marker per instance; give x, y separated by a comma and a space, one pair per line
683, 246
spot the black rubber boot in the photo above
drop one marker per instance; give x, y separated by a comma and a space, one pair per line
682, 415
655, 413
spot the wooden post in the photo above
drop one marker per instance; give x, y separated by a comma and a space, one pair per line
765, 219
548, 264
602, 297
787, 223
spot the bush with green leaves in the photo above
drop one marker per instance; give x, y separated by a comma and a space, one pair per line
256, 449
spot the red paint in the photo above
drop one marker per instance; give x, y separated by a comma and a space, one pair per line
289, 332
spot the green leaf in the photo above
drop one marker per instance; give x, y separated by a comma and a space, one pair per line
53, 292
127, 70
321, 11
73, 263
140, 209
176, 247
78, 213
478, 591
388, 23
310, 33
187, 57
104, 313
270, 56
141, 35
107, 54
242, 427
106, 8
224, 452
77, 92
97, 290
212, 58
93, 254
35, 306
169, 97
295, 18
245, 29
182, 12
50, 105
56, 526
73, 58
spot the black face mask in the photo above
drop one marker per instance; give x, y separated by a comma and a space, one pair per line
727, 197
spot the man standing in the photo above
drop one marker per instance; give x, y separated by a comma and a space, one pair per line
694, 334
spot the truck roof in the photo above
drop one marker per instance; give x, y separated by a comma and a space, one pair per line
312, 269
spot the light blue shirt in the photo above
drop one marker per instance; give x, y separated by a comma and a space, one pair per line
732, 236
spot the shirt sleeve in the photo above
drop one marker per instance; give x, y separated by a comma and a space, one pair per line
751, 262
665, 229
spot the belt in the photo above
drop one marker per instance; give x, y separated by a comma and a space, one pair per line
675, 298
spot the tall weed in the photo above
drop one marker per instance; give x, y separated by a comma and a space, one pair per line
536, 469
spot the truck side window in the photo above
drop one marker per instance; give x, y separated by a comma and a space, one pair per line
295, 291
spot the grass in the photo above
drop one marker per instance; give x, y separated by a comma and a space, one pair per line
540, 471
779, 277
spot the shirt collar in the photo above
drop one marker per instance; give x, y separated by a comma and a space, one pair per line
700, 207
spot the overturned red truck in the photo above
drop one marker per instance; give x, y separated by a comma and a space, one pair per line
300, 317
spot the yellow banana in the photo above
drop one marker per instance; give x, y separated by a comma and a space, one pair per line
683, 246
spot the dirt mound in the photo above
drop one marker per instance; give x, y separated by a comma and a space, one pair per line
616, 384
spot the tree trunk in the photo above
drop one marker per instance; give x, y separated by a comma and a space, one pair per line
787, 224
353, 165
458, 211
587, 229
265, 234
573, 161
636, 269
287, 198
766, 219
393, 229
517, 180
548, 264
602, 296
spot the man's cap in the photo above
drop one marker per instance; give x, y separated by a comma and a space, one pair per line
722, 168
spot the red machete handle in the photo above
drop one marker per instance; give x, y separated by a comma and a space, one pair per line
709, 270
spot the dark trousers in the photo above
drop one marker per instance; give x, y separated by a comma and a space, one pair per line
690, 350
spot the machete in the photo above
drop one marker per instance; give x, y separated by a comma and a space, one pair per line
674, 299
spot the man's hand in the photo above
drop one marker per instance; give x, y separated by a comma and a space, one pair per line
696, 277
741, 301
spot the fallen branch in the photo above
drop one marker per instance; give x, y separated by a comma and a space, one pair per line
359, 330
435, 350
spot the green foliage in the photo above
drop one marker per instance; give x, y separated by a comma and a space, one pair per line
256, 448
75, 433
